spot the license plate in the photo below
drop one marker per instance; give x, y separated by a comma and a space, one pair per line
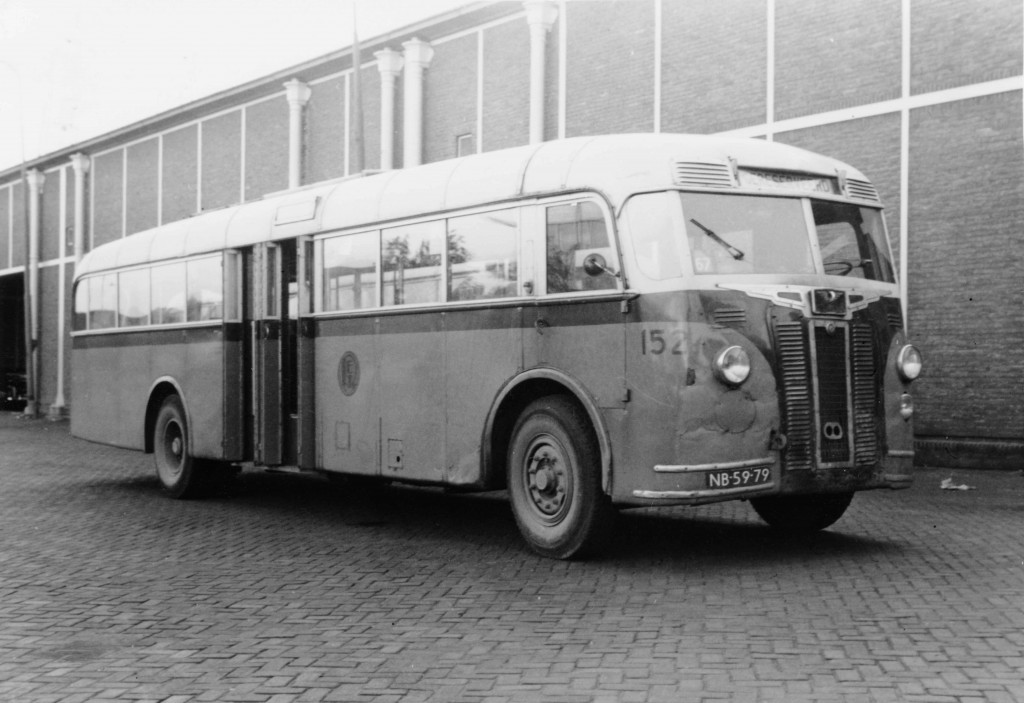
739, 478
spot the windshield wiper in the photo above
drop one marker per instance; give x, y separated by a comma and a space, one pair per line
736, 253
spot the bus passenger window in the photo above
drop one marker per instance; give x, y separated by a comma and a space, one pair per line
574, 232
80, 321
103, 302
168, 286
482, 259
133, 298
205, 288
350, 271
412, 257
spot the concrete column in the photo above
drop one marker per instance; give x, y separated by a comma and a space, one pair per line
540, 15
59, 404
418, 54
34, 182
298, 94
80, 164
389, 63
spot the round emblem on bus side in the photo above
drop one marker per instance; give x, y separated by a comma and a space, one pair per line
348, 373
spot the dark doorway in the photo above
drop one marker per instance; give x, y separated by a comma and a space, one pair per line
12, 341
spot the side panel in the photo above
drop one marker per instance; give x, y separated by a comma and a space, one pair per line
347, 396
483, 349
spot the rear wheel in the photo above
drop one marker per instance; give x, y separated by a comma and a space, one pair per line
179, 472
802, 514
554, 481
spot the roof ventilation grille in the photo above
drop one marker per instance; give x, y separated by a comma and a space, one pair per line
695, 174
862, 190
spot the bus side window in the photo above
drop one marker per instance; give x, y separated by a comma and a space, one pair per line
133, 298
103, 301
80, 321
205, 288
350, 272
482, 255
168, 296
574, 232
412, 256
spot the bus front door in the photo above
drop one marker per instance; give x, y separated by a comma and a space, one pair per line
272, 332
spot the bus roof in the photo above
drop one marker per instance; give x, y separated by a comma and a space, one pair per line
615, 165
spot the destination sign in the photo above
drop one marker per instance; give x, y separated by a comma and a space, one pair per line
780, 180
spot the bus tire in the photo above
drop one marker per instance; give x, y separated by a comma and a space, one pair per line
802, 514
179, 472
554, 481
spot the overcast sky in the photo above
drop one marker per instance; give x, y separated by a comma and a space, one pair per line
71, 70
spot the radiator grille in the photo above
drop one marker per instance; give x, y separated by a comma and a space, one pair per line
816, 394
703, 175
865, 399
830, 354
796, 389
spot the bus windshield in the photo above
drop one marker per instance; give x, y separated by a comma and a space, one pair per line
746, 234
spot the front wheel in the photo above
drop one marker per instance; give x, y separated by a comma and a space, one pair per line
176, 468
802, 514
554, 481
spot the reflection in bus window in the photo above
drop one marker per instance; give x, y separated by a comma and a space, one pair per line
133, 298
205, 287
852, 241
574, 232
412, 257
103, 301
482, 255
168, 286
350, 271
80, 320
658, 248
746, 234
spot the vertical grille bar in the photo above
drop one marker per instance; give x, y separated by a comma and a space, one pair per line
865, 396
798, 412
830, 350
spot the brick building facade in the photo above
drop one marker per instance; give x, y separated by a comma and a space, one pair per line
923, 96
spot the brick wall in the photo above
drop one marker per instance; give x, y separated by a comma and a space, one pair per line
506, 99
108, 214
831, 55
713, 65
50, 234
325, 131
141, 186
370, 85
449, 97
222, 160
180, 171
966, 266
5, 227
610, 67
266, 147
954, 43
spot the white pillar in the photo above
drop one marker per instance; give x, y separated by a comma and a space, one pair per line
418, 54
80, 164
34, 182
298, 94
59, 404
389, 63
540, 15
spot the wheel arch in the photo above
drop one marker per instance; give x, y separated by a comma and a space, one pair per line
513, 398
160, 390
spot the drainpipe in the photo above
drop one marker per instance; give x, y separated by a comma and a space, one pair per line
298, 94
80, 164
389, 63
418, 54
34, 183
540, 15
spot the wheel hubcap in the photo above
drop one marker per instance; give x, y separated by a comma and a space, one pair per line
548, 479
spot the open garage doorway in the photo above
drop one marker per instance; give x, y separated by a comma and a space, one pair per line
12, 342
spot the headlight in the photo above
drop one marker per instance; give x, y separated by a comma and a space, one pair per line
908, 362
732, 366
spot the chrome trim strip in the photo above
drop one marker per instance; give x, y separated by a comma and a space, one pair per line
901, 452
676, 495
670, 468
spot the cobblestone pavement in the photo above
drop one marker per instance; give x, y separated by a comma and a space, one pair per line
290, 589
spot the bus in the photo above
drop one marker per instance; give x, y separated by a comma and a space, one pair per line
591, 324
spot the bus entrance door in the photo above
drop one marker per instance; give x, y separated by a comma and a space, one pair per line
272, 338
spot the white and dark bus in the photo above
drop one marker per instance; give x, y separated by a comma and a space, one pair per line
591, 324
